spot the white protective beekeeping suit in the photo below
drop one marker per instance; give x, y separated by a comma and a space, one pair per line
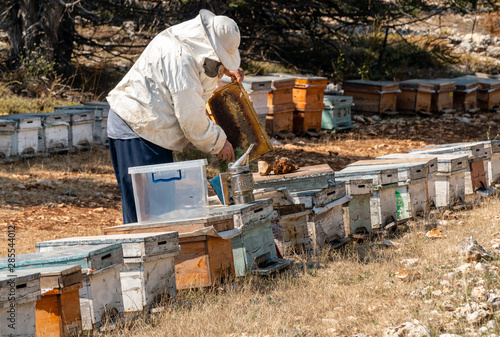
163, 96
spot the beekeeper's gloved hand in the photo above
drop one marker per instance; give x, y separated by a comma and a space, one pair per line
227, 152
236, 75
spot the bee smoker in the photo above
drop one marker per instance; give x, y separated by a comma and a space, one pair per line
235, 186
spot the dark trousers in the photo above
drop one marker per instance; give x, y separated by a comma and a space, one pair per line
127, 153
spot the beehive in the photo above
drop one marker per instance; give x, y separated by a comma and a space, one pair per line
337, 113
55, 132
357, 215
205, 258
411, 193
465, 94
7, 139
488, 93
442, 95
383, 208
290, 229
101, 122
148, 272
25, 142
305, 178
22, 292
415, 96
100, 296
372, 96
254, 249
58, 308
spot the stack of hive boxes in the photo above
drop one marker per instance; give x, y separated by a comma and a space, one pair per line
308, 94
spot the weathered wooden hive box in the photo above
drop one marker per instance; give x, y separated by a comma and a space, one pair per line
290, 229
431, 169
25, 142
101, 122
411, 193
205, 258
383, 209
488, 93
442, 96
279, 196
308, 93
337, 113
254, 249
357, 215
22, 292
372, 96
475, 176
415, 96
279, 121
326, 220
450, 177
58, 309
7, 139
488, 153
305, 178
148, 272
55, 132
101, 295
465, 94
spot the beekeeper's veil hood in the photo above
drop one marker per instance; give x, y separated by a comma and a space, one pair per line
213, 36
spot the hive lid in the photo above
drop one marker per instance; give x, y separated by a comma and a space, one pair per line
485, 83
366, 85
442, 84
231, 109
466, 83
416, 84
304, 80
134, 245
90, 257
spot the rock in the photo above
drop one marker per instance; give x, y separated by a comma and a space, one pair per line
480, 267
408, 329
463, 268
284, 165
479, 293
491, 324
470, 250
449, 335
358, 118
409, 262
435, 234
493, 300
389, 243
408, 275
478, 316
463, 120
264, 168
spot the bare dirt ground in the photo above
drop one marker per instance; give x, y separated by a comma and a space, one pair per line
76, 194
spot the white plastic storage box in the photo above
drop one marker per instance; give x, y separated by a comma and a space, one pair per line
170, 191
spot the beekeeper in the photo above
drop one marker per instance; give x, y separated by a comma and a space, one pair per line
159, 106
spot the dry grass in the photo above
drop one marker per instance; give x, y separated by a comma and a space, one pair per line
347, 292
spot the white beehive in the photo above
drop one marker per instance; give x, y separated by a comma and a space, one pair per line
25, 142
148, 272
7, 131
18, 296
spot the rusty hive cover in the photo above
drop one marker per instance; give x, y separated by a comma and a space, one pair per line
231, 109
